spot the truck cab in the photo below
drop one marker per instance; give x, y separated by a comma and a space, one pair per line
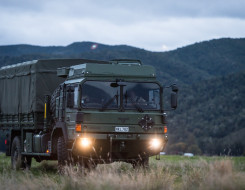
114, 112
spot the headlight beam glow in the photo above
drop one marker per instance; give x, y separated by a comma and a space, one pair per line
155, 144
85, 142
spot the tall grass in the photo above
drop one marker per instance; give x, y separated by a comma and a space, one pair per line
166, 174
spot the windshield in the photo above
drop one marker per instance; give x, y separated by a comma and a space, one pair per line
107, 95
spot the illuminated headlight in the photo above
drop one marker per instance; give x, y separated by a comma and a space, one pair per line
85, 142
155, 144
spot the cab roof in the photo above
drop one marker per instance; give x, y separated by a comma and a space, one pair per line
114, 68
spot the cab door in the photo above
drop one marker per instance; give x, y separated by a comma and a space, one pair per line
72, 105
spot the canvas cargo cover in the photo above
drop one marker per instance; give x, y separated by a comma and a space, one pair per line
23, 86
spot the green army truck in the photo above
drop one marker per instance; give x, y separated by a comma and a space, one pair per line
82, 111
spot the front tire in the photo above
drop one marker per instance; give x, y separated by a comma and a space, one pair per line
87, 163
62, 152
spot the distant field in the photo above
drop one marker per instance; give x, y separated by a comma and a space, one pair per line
171, 172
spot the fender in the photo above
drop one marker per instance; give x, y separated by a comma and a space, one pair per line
60, 126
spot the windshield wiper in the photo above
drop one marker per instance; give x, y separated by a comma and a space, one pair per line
109, 102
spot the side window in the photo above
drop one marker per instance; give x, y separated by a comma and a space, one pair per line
72, 96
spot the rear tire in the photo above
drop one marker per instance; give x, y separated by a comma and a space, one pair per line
17, 160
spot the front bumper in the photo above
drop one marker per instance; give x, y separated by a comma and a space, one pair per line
118, 146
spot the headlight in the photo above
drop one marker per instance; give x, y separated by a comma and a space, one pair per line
155, 144
85, 142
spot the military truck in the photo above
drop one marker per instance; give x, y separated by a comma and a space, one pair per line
82, 111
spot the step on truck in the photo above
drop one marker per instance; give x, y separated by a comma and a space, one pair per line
82, 111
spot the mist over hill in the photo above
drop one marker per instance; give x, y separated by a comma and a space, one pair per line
211, 76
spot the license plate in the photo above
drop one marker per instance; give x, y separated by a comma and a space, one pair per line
122, 129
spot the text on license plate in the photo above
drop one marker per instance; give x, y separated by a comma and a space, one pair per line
122, 129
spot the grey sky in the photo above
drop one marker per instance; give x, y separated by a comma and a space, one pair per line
156, 25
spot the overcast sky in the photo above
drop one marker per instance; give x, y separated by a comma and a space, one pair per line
156, 25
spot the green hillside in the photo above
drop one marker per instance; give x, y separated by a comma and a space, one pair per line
211, 115
185, 65
210, 75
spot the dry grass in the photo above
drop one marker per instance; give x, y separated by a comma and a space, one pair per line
166, 174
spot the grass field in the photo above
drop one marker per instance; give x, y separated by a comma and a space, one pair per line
171, 172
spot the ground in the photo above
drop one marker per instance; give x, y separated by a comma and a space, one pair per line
171, 172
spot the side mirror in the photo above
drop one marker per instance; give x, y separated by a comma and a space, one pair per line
173, 100
173, 96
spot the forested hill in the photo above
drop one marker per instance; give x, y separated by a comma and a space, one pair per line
210, 118
185, 65
211, 115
